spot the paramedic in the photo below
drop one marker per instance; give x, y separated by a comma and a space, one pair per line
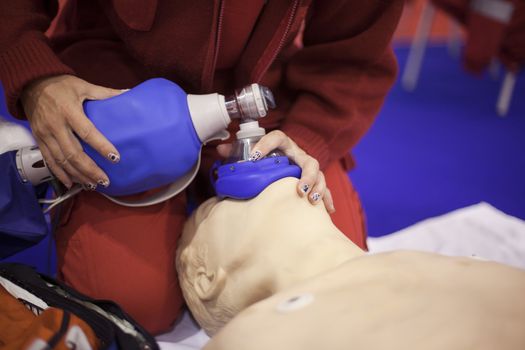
328, 63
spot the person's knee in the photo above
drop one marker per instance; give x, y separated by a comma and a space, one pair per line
154, 307
128, 259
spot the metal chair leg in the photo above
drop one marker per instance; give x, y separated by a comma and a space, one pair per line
417, 49
505, 94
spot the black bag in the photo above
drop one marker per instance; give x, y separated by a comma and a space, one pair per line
109, 322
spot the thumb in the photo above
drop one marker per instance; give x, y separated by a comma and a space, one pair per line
224, 149
99, 93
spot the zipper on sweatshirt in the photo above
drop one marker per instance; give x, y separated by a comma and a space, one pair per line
218, 37
208, 76
259, 73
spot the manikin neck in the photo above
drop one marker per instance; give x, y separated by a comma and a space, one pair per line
312, 254
317, 257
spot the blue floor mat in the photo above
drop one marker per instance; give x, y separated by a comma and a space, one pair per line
441, 147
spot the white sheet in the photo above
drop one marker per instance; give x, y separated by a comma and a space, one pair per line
186, 335
479, 230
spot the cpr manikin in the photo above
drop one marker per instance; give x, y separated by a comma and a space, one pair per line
273, 272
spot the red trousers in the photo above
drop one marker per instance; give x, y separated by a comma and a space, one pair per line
127, 255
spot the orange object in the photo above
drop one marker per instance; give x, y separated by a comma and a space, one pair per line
20, 328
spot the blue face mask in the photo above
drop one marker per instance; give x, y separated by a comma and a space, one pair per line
241, 178
245, 180
22, 223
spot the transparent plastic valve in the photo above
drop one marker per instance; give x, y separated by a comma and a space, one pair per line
250, 103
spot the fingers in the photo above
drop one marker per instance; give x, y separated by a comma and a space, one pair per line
320, 193
271, 141
224, 149
53, 107
76, 162
309, 175
329, 201
53, 166
63, 152
62, 163
95, 92
312, 182
67, 161
85, 130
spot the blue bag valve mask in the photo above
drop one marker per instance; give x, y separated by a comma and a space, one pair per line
159, 131
240, 178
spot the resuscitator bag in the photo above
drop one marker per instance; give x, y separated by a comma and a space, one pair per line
151, 127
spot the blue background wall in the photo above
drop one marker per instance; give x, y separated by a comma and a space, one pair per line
441, 147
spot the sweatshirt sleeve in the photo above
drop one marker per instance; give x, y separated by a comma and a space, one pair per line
25, 52
341, 75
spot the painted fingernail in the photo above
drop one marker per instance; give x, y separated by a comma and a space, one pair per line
115, 158
305, 187
90, 187
315, 196
104, 183
255, 156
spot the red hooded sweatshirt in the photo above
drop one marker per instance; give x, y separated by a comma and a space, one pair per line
328, 62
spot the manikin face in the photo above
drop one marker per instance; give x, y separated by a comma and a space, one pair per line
233, 253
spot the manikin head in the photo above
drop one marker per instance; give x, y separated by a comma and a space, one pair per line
288, 279
234, 253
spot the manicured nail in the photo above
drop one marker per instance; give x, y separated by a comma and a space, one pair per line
255, 156
104, 183
315, 196
90, 187
305, 188
115, 158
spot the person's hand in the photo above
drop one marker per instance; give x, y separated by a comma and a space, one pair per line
54, 109
312, 182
